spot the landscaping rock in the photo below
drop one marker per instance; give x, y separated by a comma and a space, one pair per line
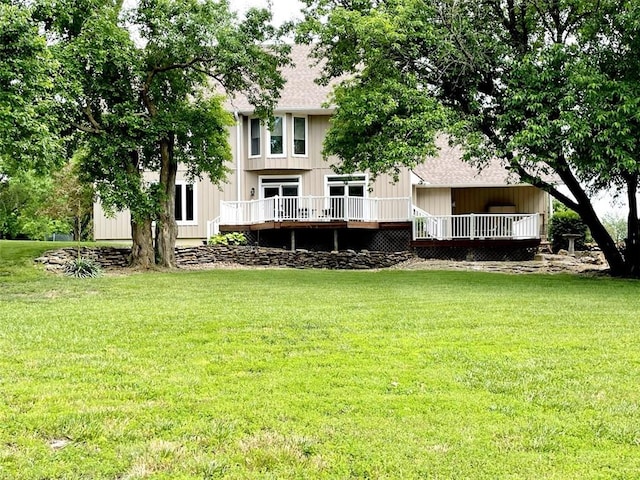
222, 256
188, 257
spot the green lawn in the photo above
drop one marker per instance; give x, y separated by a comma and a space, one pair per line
277, 374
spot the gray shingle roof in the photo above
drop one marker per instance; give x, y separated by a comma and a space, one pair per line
448, 169
300, 91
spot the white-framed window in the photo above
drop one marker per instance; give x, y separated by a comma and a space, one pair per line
300, 135
347, 195
185, 204
286, 190
281, 186
277, 137
346, 185
255, 137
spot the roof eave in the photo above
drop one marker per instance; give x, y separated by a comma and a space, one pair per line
283, 109
472, 185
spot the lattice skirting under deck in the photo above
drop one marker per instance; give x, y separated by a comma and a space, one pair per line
478, 254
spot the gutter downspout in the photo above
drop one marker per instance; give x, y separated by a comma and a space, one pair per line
238, 156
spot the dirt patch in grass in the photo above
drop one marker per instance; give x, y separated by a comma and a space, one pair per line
587, 263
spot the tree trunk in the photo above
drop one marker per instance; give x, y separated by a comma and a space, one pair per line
632, 243
602, 237
142, 255
584, 208
166, 228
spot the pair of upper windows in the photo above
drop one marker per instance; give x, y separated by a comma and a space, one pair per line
276, 137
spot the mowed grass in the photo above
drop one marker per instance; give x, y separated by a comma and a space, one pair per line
276, 374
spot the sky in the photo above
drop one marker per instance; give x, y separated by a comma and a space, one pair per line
283, 10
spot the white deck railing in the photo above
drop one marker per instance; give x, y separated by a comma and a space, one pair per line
359, 209
213, 228
475, 226
315, 209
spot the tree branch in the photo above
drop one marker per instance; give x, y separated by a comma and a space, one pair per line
86, 129
89, 114
179, 66
542, 185
562, 170
144, 91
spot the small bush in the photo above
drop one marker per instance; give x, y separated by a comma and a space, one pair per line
82, 268
233, 238
563, 222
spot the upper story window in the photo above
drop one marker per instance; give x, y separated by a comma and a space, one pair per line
185, 206
300, 136
254, 137
277, 137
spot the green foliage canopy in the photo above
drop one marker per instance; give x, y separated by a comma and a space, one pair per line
29, 132
143, 89
549, 87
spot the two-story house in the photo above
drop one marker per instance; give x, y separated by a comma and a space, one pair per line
281, 192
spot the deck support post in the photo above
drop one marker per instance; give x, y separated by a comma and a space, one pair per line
293, 240
335, 240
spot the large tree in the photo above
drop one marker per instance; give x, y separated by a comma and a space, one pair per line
139, 89
551, 87
29, 136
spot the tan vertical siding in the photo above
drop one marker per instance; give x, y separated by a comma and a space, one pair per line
318, 126
526, 199
117, 227
312, 169
436, 201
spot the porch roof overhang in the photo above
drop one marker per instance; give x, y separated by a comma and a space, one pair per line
473, 185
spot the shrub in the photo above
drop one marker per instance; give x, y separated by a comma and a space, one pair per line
233, 238
563, 222
82, 268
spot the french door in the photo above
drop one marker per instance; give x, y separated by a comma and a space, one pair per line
285, 192
346, 197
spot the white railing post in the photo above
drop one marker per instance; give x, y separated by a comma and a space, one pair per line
472, 226
213, 228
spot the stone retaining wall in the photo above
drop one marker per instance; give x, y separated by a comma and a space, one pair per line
191, 257
106, 257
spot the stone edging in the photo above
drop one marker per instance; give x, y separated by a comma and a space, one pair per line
111, 258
